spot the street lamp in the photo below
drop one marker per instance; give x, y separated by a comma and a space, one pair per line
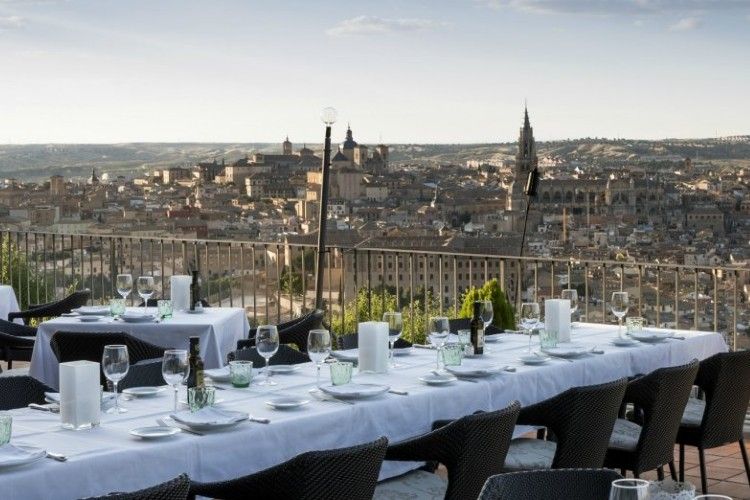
328, 116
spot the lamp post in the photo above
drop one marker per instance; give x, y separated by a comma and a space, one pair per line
328, 116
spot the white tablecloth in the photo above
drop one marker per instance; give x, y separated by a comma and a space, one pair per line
8, 302
108, 459
219, 329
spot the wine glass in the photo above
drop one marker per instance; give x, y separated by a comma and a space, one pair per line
619, 305
267, 343
571, 294
395, 326
124, 284
175, 369
145, 290
318, 348
115, 364
629, 489
487, 313
438, 331
529, 318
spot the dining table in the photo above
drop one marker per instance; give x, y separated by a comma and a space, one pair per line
219, 329
8, 302
108, 458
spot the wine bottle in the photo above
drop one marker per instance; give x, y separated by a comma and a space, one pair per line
196, 376
195, 291
477, 329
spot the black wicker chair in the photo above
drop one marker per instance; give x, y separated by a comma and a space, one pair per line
580, 421
472, 448
73, 346
718, 419
647, 442
16, 342
175, 489
342, 474
292, 332
53, 309
551, 484
284, 356
21, 390
351, 341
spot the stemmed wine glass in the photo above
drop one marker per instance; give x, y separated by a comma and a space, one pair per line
145, 290
571, 294
529, 318
629, 489
488, 313
175, 369
124, 284
318, 348
395, 327
438, 331
267, 343
619, 304
115, 364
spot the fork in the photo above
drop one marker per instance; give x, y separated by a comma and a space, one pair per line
56, 456
163, 422
320, 396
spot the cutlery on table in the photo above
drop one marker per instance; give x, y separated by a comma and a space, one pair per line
47, 408
163, 422
258, 420
321, 396
423, 346
547, 355
596, 350
399, 392
57, 456
440, 374
508, 368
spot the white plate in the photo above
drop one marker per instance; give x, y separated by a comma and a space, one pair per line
624, 342
21, 455
491, 339
346, 355
283, 368
224, 419
286, 403
474, 371
533, 359
143, 392
92, 310
89, 319
137, 318
433, 379
355, 391
566, 350
219, 374
402, 351
651, 336
155, 432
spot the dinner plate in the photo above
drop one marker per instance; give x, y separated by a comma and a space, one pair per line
346, 355
474, 371
651, 337
566, 350
137, 318
283, 368
435, 379
209, 419
89, 319
402, 351
143, 392
14, 455
286, 403
533, 359
624, 342
219, 374
155, 432
92, 310
355, 391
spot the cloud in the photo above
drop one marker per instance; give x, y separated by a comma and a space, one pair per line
615, 7
685, 24
373, 25
10, 22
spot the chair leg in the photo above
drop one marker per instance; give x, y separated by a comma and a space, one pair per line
702, 460
636, 475
682, 462
672, 471
660, 473
744, 459
10, 364
623, 472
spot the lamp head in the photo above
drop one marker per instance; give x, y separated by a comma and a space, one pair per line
329, 115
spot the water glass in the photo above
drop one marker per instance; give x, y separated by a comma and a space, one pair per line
117, 307
529, 318
571, 295
115, 365
124, 284
487, 312
241, 373
395, 327
318, 348
634, 324
671, 490
146, 289
438, 330
175, 369
267, 343
201, 397
452, 355
6, 426
341, 372
164, 308
547, 338
629, 489
619, 304
464, 340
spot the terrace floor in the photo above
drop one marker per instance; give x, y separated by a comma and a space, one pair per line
726, 473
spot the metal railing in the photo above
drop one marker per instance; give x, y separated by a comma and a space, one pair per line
274, 281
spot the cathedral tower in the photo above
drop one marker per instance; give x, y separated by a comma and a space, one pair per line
526, 161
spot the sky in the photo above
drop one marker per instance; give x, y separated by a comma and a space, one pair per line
400, 71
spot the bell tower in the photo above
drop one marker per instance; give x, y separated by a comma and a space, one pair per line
526, 161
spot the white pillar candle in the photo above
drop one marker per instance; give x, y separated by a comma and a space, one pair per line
373, 346
557, 318
180, 292
80, 394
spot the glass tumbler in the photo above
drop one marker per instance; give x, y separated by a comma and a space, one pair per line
241, 373
341, 372
452, 355
164, 308
201, 397
6, 426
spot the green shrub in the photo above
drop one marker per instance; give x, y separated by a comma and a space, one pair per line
503, 316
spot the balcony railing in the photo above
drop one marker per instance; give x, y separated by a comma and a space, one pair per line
274, 281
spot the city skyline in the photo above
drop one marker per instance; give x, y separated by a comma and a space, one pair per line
456, 71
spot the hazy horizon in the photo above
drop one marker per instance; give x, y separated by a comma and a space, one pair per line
416, 72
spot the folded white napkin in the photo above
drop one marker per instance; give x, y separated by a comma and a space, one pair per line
352, 389
13, 455
209, 416
218, 373
108, 398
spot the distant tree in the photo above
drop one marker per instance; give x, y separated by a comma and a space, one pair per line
503, 316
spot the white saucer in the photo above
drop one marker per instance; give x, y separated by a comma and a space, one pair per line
155, 432
283, 368
89, 319
433, 379
143, 392
286, 403
219, 374
533, 359
624, 342
355, 391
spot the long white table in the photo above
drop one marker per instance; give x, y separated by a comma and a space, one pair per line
108, 459
8, 302
219, 329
